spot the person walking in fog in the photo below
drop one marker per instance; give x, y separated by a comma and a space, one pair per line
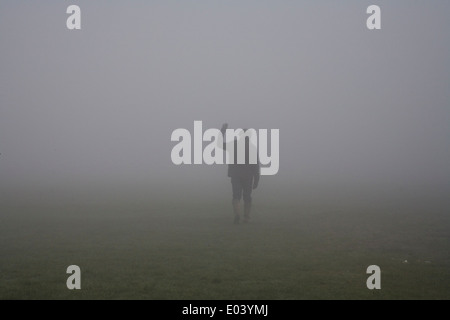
244, 177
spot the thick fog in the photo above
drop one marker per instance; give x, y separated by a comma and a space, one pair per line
88, 113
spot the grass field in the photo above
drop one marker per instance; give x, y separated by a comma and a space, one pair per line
189, 250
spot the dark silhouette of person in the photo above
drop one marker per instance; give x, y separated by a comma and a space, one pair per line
244, 177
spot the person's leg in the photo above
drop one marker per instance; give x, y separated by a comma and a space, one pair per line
247, 187
237, 195
236, 211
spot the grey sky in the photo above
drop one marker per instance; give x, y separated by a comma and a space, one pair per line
99, 105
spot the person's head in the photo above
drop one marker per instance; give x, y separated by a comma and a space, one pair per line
246, 132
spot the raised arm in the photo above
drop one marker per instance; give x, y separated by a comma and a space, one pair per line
223, 130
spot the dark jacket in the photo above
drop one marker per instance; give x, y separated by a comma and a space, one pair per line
246, 170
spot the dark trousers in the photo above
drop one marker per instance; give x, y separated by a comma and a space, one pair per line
242, 186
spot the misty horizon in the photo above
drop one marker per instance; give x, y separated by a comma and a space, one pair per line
355, 108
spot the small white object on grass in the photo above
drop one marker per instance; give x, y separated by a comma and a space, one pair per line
406, 261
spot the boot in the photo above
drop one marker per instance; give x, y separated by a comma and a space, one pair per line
236, 211
247, 209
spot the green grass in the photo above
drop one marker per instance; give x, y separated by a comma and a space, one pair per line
164, 250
